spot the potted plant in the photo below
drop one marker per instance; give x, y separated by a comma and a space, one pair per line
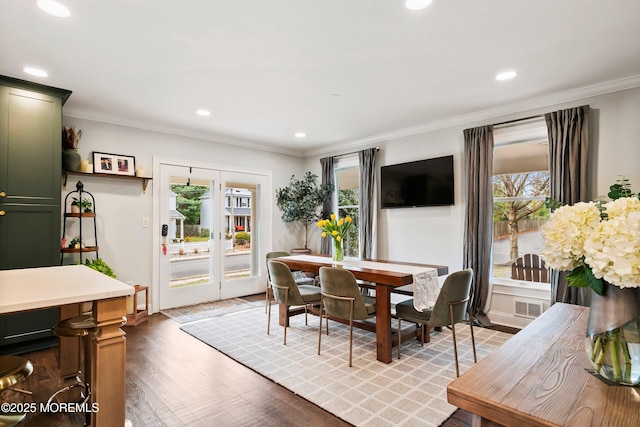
70, 155
78, 206
76, 244
99, 265
301, 200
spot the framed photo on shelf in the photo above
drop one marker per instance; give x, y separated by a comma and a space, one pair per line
114, 164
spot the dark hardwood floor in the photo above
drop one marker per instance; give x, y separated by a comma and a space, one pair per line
174, 379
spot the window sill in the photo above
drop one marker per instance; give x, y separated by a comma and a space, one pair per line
520, 284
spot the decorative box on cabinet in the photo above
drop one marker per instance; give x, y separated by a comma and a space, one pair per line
30, 167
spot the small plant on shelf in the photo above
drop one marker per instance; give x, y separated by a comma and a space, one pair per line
75, 241
83, 206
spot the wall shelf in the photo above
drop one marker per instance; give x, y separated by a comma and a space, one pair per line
145, 180
78, 250
80, 215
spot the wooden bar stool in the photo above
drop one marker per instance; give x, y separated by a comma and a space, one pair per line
83, 326
13, 369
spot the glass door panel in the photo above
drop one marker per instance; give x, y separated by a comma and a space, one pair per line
244, 233
188, 268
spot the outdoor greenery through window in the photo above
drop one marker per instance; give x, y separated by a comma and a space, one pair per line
348, 201
520, 187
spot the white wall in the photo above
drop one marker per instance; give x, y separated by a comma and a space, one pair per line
120, 204
435, 234
432, 235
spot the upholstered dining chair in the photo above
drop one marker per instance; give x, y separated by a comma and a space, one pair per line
287, 292
450, 308
342, 298
299, 280
268, 293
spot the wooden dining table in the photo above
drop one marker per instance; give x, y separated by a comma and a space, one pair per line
67, 287
384, 279
541, 377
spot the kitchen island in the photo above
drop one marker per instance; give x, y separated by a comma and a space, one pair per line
68, 287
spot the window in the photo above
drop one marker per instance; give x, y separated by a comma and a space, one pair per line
520, 187
347, 199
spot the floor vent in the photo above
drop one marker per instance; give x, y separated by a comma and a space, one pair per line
527, 309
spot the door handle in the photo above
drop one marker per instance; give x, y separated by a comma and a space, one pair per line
3, 194
2, 213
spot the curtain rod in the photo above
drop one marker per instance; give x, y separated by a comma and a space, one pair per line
354, 152
539, 116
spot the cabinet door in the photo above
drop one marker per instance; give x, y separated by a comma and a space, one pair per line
30, 147
29, 236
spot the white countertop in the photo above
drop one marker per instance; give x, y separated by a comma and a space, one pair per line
43, 287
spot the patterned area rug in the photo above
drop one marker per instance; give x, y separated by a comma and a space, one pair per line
193, 313
407, 392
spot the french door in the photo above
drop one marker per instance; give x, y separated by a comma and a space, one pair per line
214, 229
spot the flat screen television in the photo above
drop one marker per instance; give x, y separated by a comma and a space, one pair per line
426, 182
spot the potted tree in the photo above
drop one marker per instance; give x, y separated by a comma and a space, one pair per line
301, 200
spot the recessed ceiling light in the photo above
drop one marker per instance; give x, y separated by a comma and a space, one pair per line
203, 113
506, 75
417, 4
54, 8
35, 72
300, 135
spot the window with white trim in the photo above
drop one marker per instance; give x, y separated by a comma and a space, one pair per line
347, 199
520, 187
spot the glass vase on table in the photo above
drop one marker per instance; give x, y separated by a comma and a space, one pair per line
338, 250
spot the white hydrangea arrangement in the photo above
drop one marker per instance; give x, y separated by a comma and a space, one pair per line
597, 241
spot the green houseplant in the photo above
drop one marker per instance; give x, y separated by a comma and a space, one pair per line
99, 265
301, 200
82, 206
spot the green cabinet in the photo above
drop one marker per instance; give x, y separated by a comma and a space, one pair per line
30, 171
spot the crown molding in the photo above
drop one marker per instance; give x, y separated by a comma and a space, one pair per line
79, 113
487, 115
468, 119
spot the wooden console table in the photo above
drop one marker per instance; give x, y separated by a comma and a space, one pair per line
539, 378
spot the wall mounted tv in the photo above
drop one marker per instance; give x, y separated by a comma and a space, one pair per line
426, 182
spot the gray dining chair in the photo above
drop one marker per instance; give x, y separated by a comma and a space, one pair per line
450, 308
342, 298
300, 280
287, 292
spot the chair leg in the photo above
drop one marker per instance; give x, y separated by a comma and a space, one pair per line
320, 328
266, 299
306, 320
453, 333
351, 334
399, 336
268, 316
286, 301
473, 340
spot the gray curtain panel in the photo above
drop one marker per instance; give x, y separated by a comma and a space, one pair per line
478, 230
568, 132
327, 164
368, 222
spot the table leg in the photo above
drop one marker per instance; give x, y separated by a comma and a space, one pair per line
108, 376
383, 323
283, 315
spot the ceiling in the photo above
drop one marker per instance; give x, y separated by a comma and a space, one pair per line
345, 72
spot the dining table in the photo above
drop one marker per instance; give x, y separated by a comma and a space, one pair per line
385, 277
68, 287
